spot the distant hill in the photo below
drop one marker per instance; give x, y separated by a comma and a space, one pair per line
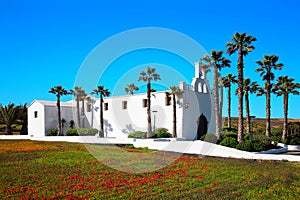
259, 123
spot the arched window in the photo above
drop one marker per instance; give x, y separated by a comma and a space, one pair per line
200, 87
204, 88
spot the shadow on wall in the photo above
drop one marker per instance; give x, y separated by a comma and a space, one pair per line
107, 127
129, 129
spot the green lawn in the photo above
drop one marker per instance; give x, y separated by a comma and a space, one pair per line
58, 170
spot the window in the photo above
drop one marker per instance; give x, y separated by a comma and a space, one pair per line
105, 106
145, 101
168, 100
35, 114
124, 104
88, 107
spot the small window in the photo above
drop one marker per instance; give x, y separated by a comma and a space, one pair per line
105, 106
124, 104
88, 107
145, 101
168, 100
35, 114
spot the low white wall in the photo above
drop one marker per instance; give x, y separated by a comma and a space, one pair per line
290, 147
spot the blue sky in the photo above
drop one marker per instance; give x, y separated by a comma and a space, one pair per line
44, 43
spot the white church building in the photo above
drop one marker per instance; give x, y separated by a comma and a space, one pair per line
126, 114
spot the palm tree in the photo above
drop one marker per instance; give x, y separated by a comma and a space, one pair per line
175, 92
226, 81
148, 76
265, 69
218, 62
8, 115
22, 118
241, 42
77, 94
100, 90
131, 87
251, 87
285, 86
59, 91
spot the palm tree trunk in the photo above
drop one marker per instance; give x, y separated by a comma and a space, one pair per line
247, 112
240, 96
78, 112
59, 126
82, 113
221, 107
229, 107
268, 109
216, 101
101, 132
149, 131
8, 130
24, 129
174, 117
285, 122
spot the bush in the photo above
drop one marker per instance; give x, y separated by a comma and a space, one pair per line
276, 131
161, 133
229, 142
264, 139
225, 134
245, 146
251, 146
71, 132
137, 134
292, 140
87, 131
52, 132
209, 138
258, 146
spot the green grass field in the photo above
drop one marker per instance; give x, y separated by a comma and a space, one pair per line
58, 170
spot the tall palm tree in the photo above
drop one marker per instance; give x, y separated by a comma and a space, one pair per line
218, 62
59, 91
251, 87
241, 43
77, 94
284, 87
266, 66
148, 76
131, 87
8, 116
226, 81
102, 92
175, 92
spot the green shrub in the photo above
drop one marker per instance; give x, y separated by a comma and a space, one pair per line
251, 146
264, 139
161, 133
87, 131
276, 131
293, 140
258, 146
225, 134
229, 142
245, 146
209, 138
71, 132
52, 132
137, 134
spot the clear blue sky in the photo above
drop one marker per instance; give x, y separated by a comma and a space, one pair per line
43, 43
